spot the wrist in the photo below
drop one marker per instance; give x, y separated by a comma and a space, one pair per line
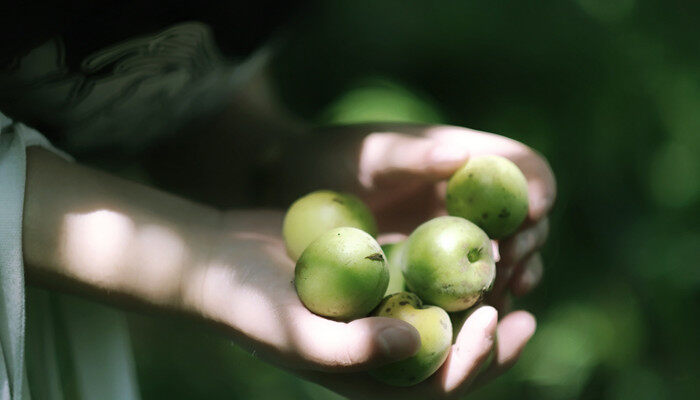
225, 287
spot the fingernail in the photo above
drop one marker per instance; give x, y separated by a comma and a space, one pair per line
444, 154
397, 342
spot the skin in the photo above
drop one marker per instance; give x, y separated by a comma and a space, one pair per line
320, 211
342, 275
235, 275
491, 192
393, 252
449, 262
433, 325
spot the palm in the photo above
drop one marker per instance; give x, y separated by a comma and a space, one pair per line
403, 204
247, 286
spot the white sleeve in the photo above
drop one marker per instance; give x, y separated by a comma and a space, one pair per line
97, 336
14, 138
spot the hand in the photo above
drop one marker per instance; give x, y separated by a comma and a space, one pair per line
246, 288
401, 171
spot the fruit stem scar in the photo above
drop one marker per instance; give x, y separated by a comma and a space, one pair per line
375, 257
474, 254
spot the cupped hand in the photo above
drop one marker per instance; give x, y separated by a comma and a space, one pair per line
246, 289
401, 171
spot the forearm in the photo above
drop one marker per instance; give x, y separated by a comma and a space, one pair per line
87, 231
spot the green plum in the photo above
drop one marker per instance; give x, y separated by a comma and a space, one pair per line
433, 325
448, 261
393, 252
342, 274
490, 191
320, 211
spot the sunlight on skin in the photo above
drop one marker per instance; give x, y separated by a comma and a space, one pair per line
248, 285
159, 253
110, 249
234, 277
329, 336
224, 296
97, 242
376, 154
472, 347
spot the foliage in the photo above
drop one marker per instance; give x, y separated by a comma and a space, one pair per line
609, 92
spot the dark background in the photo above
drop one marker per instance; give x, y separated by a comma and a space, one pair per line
607, 90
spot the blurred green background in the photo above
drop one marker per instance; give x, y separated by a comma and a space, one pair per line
607, 90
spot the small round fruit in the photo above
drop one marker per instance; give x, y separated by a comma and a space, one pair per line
433, 325
393, 252
320, 211
448, 261
490, 191
342, 274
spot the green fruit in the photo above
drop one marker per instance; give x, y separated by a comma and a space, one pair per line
380, 100
448, 261
342, 274
433, 325
320, 211
393, 253
490, 191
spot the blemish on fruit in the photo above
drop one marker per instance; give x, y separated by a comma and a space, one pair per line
375, 257
403, 303
504, 213
338, 200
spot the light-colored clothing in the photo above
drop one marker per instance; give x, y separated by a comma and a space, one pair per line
60, 346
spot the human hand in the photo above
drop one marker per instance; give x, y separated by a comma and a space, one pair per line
400, 170
246, 288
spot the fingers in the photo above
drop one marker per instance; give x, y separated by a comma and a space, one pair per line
517, 247
462, 369
390, 238
514, 331
436, 151
541, 185
540, 178
527, 276
358, 345
390, 154
472, 348
514, 265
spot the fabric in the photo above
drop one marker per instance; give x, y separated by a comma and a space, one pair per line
36, 326
125, 95
94, 93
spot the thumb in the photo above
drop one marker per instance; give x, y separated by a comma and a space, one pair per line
399, 154
359, 345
